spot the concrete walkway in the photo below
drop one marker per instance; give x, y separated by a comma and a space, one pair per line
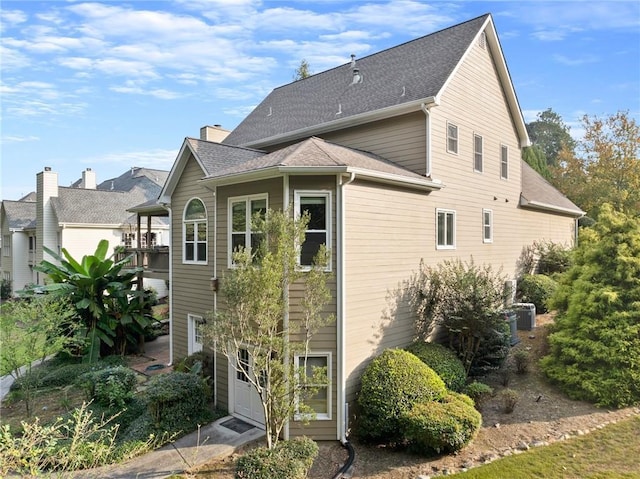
212, 441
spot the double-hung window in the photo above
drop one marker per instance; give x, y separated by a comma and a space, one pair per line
445, 229
477, 153
452, 138
241, 213
316, 387
195, 232
6, 245
504, 162
487, 226
316, 204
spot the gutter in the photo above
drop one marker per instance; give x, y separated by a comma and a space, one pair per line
353, 120
549, 207
417, 182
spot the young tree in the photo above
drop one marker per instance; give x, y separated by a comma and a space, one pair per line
93, 285
256, 314
302, 71
595, 343
463, 298
549, 133
606, 168
30, 331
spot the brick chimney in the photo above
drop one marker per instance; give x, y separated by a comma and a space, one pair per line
88, 179
213, 133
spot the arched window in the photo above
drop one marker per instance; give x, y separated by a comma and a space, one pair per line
195, 232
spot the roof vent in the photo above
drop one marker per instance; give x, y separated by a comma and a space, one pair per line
357, 76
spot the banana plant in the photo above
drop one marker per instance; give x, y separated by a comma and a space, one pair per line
88, 283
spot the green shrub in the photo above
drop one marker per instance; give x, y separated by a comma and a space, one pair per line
441, 427
443, 361
391, 385
177, 401
288, 460
112, 387
536, 289
594, 345
479, 392
509, 399
492, 349
5, 289
522, 358
553, 258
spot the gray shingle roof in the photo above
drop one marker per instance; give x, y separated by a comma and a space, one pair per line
315, 152
538, 193
215, 156
20, 214
79, 205
410, 72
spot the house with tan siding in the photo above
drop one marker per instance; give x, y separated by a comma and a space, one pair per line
412, 153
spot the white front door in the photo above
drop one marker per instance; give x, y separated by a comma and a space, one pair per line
246, 400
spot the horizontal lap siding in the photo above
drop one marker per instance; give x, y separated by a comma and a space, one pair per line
325, 339
387, 232
400, 139
474, 101
191, 283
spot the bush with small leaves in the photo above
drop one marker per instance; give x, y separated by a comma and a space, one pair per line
479, 392
509, 399
536, 289
112, 387
522, 358
391, 385
441, 426
443, 361
177, 401
287, 460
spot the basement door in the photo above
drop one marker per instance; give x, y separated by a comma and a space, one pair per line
247, 402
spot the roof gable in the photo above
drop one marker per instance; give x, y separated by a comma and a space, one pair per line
210, 157
20, 214
394, 81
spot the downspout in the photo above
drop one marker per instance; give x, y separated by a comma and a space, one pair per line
343, 409
427, 111
215, 290
285, 319
343, 413
167, 207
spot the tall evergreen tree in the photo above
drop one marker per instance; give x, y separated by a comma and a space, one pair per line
549, 133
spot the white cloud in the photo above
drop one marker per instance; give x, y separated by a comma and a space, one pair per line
152, 158
160, 93
573, 62
19, 139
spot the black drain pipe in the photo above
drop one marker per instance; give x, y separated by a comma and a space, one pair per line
350, 459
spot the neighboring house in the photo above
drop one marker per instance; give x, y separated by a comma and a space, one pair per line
77, 218
409, 154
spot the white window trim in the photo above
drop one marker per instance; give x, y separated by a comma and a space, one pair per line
476, 152
457, 138
192, 322
195, 242
490, 225
237, 199
446, 211
6, 245
296, 205
504, 148
323, 416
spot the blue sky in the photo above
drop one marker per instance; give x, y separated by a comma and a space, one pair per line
111, 85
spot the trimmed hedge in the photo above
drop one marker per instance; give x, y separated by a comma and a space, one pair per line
443, 361
287, 460
177, 401
391, 385
441, 427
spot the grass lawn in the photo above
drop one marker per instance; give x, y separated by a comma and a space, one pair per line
611, 452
